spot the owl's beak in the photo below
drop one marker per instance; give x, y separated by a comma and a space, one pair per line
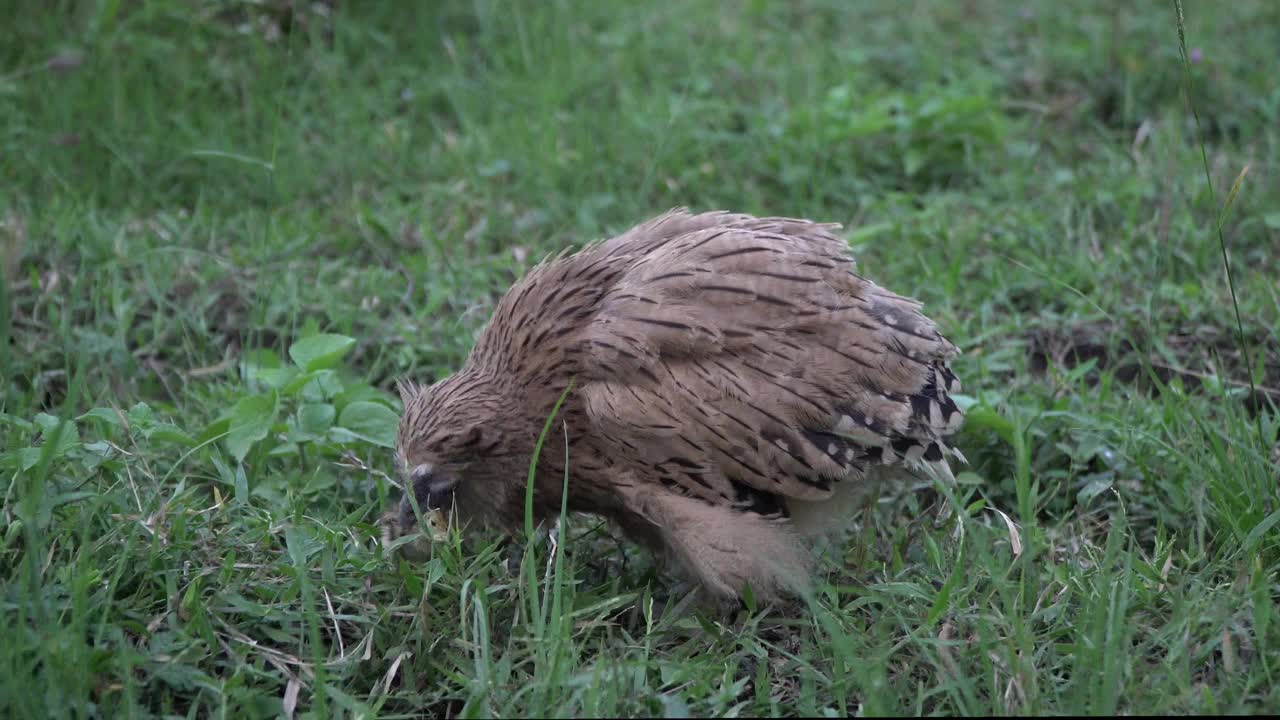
432, 491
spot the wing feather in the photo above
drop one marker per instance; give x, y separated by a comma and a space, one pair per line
742, 359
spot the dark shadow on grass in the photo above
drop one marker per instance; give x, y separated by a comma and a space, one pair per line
1194, 356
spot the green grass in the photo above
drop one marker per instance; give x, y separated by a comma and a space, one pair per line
186, 192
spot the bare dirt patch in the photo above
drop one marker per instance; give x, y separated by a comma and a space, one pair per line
1198, 356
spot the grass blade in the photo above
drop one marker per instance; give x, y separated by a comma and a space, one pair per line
1188, 87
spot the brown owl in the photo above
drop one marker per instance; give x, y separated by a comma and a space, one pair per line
734, 386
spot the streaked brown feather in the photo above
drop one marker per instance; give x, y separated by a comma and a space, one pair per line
732, 362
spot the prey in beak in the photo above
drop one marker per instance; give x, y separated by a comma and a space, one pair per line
434, 495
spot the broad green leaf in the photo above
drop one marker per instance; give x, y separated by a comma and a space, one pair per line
318, 352
259, 358
295, 382
142, 420
46, 422
70, 497
1097, 484
261, 365
366, 392
21, 459
313, 421
69, 438
107, 415
17, 422
318, 482
277, 377
251, 420
140, 414
284, 449
325, 386
216, 429
99, 448
166, 432
370, 421
94, 454
316, 386
301, 544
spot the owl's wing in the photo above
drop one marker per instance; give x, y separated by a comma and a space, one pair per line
741, 360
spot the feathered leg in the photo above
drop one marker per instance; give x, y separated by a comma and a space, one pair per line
725, 549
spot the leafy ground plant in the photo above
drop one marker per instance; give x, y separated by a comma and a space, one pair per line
227, 227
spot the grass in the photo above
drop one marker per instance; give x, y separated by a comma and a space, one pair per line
226, 231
